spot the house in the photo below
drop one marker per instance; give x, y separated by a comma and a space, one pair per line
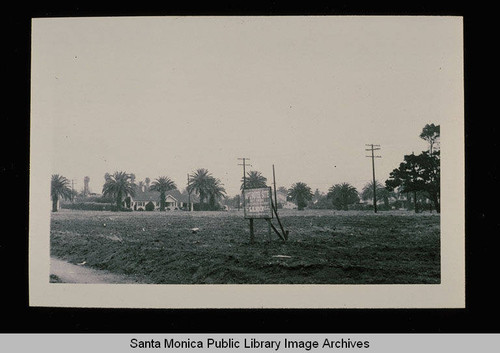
174, 200
289, 206
282, 200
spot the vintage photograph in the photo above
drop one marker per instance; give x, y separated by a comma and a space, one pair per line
206, 153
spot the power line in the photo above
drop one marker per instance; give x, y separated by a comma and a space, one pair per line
372, 149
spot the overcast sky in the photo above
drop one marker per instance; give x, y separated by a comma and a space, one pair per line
167, 95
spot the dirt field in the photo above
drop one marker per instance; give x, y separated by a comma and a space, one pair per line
324, 246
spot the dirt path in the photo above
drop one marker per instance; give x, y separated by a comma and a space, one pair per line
66, 272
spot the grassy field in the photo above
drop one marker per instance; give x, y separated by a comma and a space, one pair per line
324, 247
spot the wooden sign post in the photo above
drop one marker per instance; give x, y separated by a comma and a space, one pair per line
258, 205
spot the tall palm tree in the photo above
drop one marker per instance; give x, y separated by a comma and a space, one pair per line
118, 186
199, 182
253, 180
382, 192
215, 191
59, 187
300, 193
162, 185
343, 195
206, 186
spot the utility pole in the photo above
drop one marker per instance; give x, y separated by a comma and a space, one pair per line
244, 187
244, 171
372, 149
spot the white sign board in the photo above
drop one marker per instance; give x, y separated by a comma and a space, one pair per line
258, 203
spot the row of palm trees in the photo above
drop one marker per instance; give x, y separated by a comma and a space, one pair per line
210, 189
299, 192
201, 182
342, 195
120, 185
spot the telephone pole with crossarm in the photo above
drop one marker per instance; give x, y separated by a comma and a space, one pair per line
372, 149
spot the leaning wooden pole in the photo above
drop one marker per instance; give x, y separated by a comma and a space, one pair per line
275, 208
274, 182
275, 230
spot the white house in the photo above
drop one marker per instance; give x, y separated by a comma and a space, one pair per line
174, 200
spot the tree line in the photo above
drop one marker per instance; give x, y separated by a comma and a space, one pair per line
417, 177
121, 185
420, 174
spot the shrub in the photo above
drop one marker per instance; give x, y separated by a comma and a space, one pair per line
361, 207
321, 204
397, 204
92, 206
206, 207
115, 209
94, 199
89, 206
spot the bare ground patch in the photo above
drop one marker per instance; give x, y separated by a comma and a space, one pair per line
324, 247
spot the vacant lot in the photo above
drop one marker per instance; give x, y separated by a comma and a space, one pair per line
324, 247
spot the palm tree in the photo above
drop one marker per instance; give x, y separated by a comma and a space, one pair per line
206, 186
118, 185
382, 192
343, 195
199, 182
162, 185
59, 187
253, 180
140, 186
301, 193
215, 191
